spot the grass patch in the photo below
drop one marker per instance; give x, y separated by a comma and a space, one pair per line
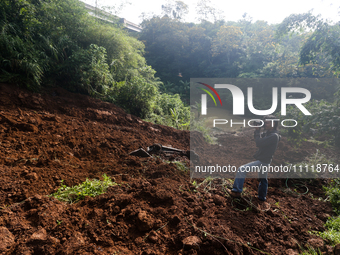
310, 251
313, 165
319, 158
198, 125
325, 144
315, 159
90, 188
332, 234
180, 166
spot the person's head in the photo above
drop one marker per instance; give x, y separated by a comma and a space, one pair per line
270, 122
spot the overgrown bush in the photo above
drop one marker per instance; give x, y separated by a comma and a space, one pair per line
58, 43
135, 96
332, 233
86, 71
19, 61
170, 110
333, 191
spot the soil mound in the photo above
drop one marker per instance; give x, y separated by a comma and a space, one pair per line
155, 209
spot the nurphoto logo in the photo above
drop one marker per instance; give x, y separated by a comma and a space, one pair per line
238, 103
258, 112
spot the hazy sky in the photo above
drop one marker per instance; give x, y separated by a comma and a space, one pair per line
272, 11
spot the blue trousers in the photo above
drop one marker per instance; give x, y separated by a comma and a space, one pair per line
242, 173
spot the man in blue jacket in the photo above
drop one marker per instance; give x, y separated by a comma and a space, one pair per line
267, 143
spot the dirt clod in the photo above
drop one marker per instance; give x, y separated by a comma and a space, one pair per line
291, 252
317, 243
192, 242
7, 239
145, 222
40, 235
337, 249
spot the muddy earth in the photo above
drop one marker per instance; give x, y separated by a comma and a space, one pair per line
56, 135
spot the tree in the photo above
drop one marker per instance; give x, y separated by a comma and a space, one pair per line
175, 9
166, 41
321, 47
206, 11
226, 52
322, 39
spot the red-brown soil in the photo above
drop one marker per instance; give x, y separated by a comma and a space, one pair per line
57, 135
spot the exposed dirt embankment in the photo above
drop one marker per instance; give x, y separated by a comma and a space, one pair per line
57, 135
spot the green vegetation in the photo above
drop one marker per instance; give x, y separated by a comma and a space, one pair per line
320, 50
180, 166
179, 51
49, 43
332, 234
325, 121
310, 251
196, 125
206, 184
90, 188
333, 191
297, 48
170, 110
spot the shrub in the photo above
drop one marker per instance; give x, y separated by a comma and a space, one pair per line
169, 110
86, 71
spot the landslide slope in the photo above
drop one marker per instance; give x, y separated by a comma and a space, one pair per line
57, 135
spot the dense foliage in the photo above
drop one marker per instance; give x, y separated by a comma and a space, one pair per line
50, 42
320, 48
171, 111
179, 51
302, 46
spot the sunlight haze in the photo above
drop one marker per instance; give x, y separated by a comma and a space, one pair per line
271, 11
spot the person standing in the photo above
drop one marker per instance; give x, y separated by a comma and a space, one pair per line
267, 143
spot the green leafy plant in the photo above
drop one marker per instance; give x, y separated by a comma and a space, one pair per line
197, 125
333, 191
169, 110
177, 120
90, 188
332, 233
207, 185
47, 43
136, 96
86, 71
